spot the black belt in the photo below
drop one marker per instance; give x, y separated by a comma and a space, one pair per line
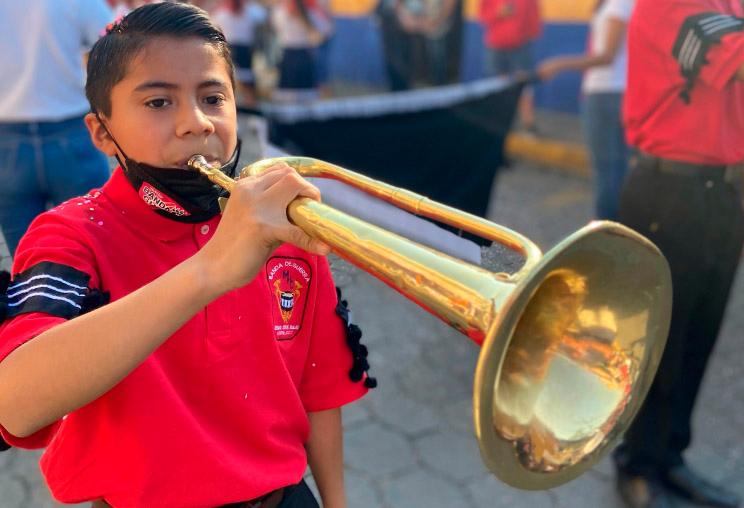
270, 500
722, 172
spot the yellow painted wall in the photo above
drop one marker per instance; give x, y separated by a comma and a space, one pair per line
567, 10
552, 10
353, 7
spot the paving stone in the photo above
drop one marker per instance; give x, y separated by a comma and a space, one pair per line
458, 416
7, 460
377, 451
451, 454
454, 355
429, 385
605, 468
397, 410
13, 493
418, 489
356, 414
389, 323
41, 498
361, 492
709, 463
589, 490
27, 465
488, 492
735, 479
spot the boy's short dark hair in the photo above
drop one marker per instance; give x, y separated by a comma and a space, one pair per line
111, 54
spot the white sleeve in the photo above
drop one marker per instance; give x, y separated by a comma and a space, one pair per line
94, 15
621, 9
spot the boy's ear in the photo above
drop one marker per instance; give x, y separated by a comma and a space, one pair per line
99, 135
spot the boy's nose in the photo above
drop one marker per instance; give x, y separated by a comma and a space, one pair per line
192, 120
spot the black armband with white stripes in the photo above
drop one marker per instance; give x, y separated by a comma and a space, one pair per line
4, 281
697, 34
51, 288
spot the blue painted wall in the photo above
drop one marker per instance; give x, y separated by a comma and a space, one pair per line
356, 57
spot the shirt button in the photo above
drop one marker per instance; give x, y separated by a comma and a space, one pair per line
709, 184
204, 229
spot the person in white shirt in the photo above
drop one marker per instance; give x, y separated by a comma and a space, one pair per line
603, 87
300, 29
46, 155
238, 20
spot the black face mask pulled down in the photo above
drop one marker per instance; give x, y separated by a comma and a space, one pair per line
179, 194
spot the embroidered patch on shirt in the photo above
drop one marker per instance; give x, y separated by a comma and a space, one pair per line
52, 288
289, 282
160, 201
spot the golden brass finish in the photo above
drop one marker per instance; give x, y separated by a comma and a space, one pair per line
570, 342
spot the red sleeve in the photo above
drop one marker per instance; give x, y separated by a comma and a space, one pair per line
48, 239
326, 383
723, 58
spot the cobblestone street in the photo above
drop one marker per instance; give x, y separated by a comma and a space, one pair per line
410, 443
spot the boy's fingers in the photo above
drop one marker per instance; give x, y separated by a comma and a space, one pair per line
309, 191
298, 237
272, 175
262, 182
291, 186
276, 166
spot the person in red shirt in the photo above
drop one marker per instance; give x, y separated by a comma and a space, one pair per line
684, 115
510, 29
163, 353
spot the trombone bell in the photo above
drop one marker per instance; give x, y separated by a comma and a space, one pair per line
569, 343
566, 366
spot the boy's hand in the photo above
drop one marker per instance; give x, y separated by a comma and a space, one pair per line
254, 224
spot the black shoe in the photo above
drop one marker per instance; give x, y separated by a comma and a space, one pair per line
686, 483
642, 491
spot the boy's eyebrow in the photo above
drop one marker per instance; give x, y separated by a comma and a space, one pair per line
212, 82
148, 85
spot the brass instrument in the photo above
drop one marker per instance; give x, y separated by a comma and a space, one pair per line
569, 343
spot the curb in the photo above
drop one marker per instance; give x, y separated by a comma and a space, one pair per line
567, 157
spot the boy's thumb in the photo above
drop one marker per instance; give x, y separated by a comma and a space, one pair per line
305, 242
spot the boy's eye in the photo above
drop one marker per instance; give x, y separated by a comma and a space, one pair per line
214, 100
157, 103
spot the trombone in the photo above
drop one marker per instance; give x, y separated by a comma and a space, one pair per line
569, 343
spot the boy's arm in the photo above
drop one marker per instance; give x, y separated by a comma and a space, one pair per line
86, 356
325, 451
72, 364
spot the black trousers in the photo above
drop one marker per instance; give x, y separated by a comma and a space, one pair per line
299, 497
295, 496
297, 70
694, 215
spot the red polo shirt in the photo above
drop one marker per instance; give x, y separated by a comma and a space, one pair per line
509, 24
217, 414
708, 130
